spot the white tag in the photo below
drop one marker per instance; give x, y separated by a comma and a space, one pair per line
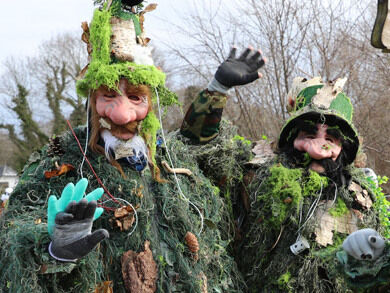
299, 246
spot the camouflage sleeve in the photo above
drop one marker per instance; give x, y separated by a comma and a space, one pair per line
202, 120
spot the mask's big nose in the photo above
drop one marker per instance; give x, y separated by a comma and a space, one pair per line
122, 113
318, 149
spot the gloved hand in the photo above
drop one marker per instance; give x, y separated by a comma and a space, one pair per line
73, 218
237, 71
364, 244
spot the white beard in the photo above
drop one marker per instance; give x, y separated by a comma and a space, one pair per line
123, 149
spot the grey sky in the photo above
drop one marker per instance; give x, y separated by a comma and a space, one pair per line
26, 23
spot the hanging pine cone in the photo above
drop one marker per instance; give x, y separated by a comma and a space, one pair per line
193, 245
55, 148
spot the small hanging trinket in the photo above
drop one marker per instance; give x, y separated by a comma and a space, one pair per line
300, 245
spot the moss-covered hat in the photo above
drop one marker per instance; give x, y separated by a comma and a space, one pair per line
314, 101
117, 48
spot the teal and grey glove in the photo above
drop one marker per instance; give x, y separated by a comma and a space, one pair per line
70, 222
364, 244
237, 71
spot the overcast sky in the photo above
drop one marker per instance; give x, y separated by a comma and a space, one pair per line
26, 23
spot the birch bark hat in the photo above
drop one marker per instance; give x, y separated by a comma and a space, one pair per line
117, 48
314, 101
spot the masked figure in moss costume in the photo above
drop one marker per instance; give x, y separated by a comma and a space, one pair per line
152, 244
149, 235
306, 214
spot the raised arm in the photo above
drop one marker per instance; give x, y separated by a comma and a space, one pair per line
202, 120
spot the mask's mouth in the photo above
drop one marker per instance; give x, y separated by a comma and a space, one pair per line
123, 132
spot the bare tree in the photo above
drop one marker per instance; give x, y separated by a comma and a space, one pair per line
40, 91
300, 38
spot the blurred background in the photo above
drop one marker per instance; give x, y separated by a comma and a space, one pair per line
42, 54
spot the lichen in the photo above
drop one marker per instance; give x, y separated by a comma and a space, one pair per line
339, 209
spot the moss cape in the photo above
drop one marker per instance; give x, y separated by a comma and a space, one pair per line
280, 198
164, 219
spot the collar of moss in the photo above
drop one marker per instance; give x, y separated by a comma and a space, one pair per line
286, 188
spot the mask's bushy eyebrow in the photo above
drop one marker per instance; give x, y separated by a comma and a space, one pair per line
309, 128
336, 133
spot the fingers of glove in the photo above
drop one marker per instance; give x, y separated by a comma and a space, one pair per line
66, 197
79, 189
96, 237
98, 213
248, 78
63, 218
245, 54
254, 58
51, 213
232, 54
95, 194
52, 207
260, 63
71, 208
80, 209
90, 210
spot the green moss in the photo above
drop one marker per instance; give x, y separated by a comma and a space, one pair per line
100, 35
314, 183
149, 128
381, 205
287, 188
306, 159
216, 190
99, 74
241, 139
284, 184
283, 281
339, 209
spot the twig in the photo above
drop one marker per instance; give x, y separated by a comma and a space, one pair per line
176, 170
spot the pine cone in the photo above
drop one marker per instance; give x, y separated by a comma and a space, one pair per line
193, 245
55, 148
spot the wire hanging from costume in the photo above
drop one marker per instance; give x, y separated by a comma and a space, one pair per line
172, 166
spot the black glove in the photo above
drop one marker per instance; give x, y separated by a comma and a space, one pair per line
72, 238
239, 71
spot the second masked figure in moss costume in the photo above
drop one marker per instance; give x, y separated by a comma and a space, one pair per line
307, 217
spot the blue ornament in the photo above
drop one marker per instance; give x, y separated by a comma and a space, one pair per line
138, 162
